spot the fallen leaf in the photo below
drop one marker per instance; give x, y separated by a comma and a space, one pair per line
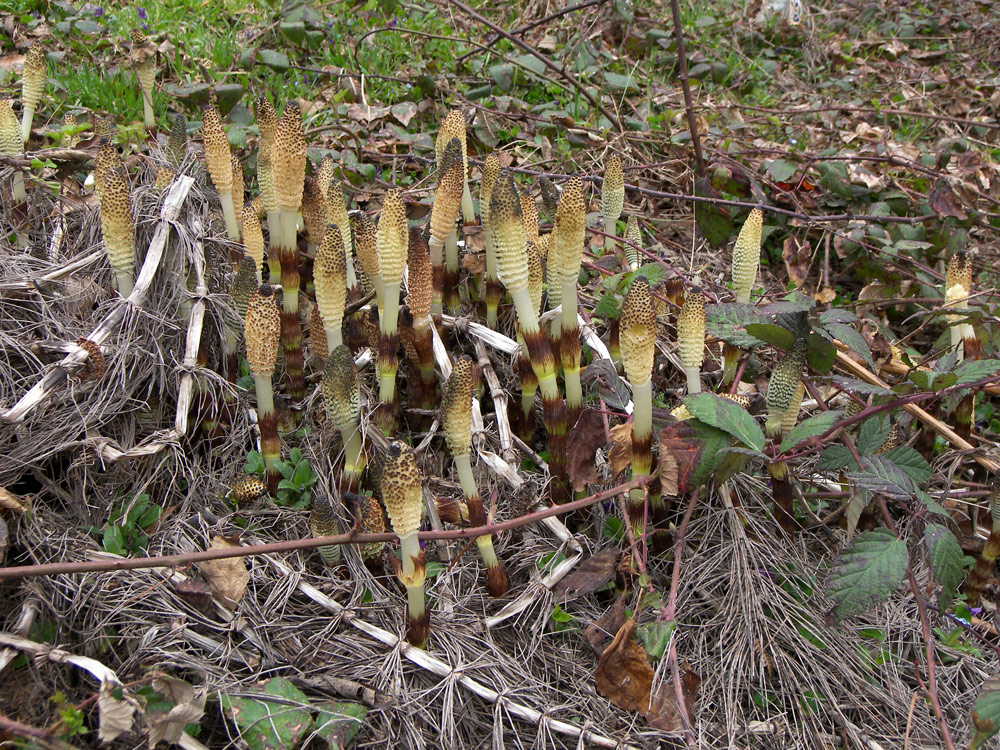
365, 113
620, 455
404, 112
942, 201
474, 263
12, 502
662, 712
688, 454
600, 630
116, 714
590, 575
797, 256
188, 708
12, 63
582, 443
227, 577
825, 296
196, 593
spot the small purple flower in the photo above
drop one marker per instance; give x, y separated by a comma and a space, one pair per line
100, 11
392, 23
142, 13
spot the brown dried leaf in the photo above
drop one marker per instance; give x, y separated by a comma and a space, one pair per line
943, 202
196, 593
188, 708
620, 455
228, 577
590, 575
797, 256
116, 715
662, 712
365, 113
582, 443
10, 501
600, 630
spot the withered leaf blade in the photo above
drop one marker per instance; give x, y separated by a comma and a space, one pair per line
797, 256
601, 629
620, 455
227, 577
582, 443
196, 593
590, 575
943, 202
188, 708
116, 714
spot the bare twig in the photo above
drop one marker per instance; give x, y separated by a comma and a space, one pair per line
682, 65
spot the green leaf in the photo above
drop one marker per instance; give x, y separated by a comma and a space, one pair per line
859, 386
284, 468
970, 372
713, 221
727, 415
728, 321
872, 434
609, 307
621, 83
836, 315
655, 637
339, 722
820, 353
911, 462
946, 559
532, 63
852, 340
266, 725
302, 474
834, 179
772, 334
114, 540
254, 464
781, 170
810, 427
695, 447
868, 573
273, 59
986, 714
879, 474
932, 505
834, 457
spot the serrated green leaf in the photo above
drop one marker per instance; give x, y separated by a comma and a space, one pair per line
820, 353
808, 428
852, 340
911, 462
859, 386
834, 457
868, 573
946, 559
855, 507
697, 449
728, 320
772, 334
781, 170
609, 307
879, 474
932, 505
837, 315
267, 725
872, 434
339, 722
728, 416
655, 637
970, 372
986, 713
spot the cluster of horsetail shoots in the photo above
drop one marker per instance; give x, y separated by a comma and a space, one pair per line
784, 397
492, 289
262, 334
11, 144
512, 264
288, 170
456, 418
638, 348
568, 238
419, 302
691, 337
32, 86
447, 201
982, 571
218, 159
341, 390
143, 58
391, 245
612, 199
529, 381
118, 228
402, 494
330, 280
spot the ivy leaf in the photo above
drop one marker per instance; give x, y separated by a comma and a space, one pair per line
868, 573
728, 321
772, 334
986, 714
911, 462
879, 474
946, 559
808, 428
728, 416
834, 457
872, 434
853, 340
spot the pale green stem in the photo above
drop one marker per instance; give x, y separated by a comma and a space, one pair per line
148, 118
125, 283
17, 188
334, 337
468, 210
570, 326
610, 228
436, 247
389, 323
354, 460
528, 319
229, 214
693, 378
26, 117
642, 421
463, 464
451, 250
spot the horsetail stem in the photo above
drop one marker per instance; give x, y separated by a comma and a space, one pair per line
982, 571
262, 334
177, 140
958, 284
633, 242
512, 264
456, 419
143, 57
323, 522
447, 201
391, 248
529, 381
366, 246
32, 86
11, 144
118, 228
691, 337
341, 390
218, 159
491, 292
402, 493
313, 214
612, 199
746, 256
419, 300
568, 238
330, 278
253, 238
288, 169
453, 126
638, 349
267, 121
